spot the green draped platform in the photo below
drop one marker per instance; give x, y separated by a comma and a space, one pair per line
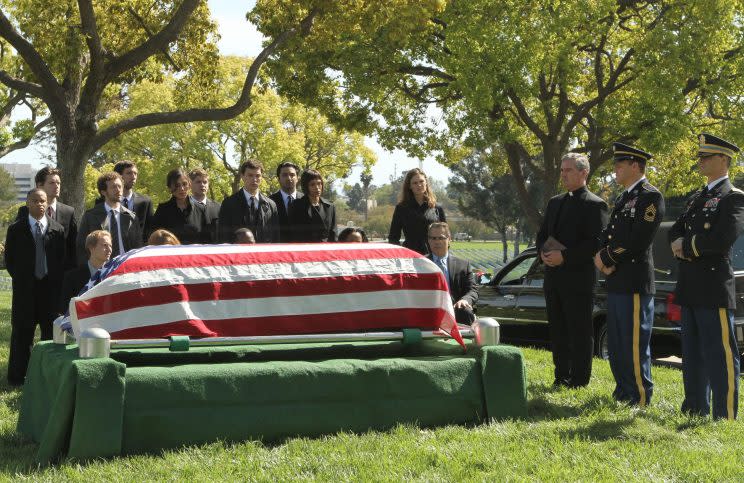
147, 400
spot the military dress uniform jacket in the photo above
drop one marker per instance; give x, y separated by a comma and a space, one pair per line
710, 225
627, 240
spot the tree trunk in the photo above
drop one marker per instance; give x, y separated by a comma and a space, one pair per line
505, 245
517, 235
73, 153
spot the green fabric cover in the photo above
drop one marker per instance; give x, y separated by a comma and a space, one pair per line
150, 399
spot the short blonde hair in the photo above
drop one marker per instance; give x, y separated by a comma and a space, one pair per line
93, 238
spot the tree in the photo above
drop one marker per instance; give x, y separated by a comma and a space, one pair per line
484, 194
83, 55
8, 192
535, 78
367, 189
273, 131
17, 133
355, 197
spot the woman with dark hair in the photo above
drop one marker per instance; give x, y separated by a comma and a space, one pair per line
162, 237
180, 215
417, 208
312, 218
353, 235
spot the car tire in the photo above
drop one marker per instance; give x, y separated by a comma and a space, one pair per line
601, 349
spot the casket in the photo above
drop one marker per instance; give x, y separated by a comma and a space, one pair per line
253, 290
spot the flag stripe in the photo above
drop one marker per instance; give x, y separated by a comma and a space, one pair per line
425, 319
116, 284
141, 297
301, 306
165, 261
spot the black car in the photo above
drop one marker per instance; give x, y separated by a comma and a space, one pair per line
514, 297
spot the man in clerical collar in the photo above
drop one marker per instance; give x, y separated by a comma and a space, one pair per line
702, 238
567, 241
626, 260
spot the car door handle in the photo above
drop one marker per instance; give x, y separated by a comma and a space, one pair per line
509, 297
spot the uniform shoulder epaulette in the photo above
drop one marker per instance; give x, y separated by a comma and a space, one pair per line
734, 189
648, 186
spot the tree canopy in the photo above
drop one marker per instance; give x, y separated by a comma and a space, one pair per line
532, 78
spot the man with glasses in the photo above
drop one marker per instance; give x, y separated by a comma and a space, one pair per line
701, 239
459, 276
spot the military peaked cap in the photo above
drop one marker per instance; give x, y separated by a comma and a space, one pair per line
623, 152
710, 144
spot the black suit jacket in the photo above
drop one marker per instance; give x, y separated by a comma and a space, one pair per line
709, 227
307, 225
461, 281
95, 219
212, 210
65, 216
285, 234
20, 261
576, 220
234, 214
74, 280
143, 210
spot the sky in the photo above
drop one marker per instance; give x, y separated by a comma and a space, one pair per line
239, 37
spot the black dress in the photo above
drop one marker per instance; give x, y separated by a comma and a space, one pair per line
189, 225
414, 220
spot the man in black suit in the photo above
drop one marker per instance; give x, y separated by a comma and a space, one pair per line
35, 259
112, 217
287, 173
137, 203
98, 247
460, 279
567, 242
702, 239
47, 178
627, 261
199, 189
248, 208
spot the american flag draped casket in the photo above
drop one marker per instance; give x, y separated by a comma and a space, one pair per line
249, 290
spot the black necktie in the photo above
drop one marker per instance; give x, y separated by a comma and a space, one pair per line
114, 230
40, 269
289, 202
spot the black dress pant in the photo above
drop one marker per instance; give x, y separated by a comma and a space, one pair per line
571, 335
22, 331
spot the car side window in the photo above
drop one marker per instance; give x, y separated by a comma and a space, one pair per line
536, 274
517, 274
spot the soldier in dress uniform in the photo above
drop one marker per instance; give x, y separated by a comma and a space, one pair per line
626, 260
701, 239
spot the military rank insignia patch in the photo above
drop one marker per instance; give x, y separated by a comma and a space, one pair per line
650, 213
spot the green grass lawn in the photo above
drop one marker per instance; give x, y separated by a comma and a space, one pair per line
569, 435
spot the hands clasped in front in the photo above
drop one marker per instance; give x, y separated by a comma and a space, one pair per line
601, 266
552, 258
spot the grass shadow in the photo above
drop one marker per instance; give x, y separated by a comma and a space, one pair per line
542, 404
599, 430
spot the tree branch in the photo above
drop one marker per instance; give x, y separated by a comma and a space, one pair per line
34, 60
142, 52
524, 115
207, 114
21, 85
23, 143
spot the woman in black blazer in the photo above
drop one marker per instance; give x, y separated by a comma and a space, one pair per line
416, 210
312, 218
180, 215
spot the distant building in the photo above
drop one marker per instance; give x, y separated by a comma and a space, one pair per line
23, 174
